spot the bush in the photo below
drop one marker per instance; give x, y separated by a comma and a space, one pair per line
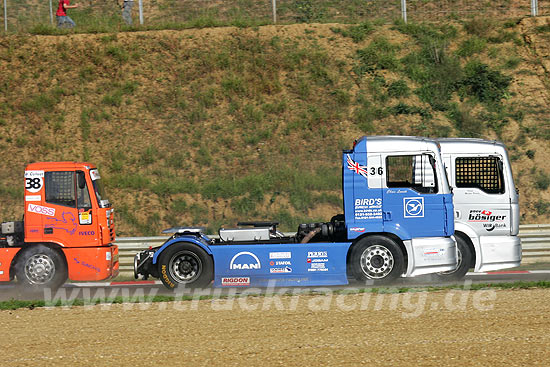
379, 54
357, 33
487, 85
479, 26
471, 46
398, 88
542, 181
463, 120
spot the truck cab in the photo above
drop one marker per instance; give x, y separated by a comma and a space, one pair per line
67, 230
486, 204
397, 221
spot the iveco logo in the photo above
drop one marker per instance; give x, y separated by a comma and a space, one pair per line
245, 260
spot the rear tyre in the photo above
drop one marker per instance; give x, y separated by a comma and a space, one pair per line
39, 267
185, 264
378, 259
464, 259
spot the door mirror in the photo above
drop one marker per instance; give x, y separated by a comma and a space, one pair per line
81, 179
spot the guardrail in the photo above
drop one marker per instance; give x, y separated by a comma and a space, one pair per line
535, 240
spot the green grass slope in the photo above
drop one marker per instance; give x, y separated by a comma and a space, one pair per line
209, 126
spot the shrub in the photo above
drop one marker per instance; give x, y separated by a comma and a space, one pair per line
398, 88
357, 33
479, 26
487, 85
542, 181
464, 121
379, 54
471, 46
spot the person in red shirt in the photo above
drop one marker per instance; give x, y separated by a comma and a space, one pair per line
63, 20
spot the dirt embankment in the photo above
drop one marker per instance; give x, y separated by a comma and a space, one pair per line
494, 328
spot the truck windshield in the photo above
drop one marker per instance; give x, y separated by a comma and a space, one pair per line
99, 190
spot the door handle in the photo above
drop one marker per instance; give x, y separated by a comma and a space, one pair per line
387, 216
457, 214
48, 230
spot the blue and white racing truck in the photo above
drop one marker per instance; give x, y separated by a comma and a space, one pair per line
397, 221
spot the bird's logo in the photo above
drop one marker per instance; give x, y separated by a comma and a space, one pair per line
413, 207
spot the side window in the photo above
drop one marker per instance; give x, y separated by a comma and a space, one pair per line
484, 173
412, 171
82, 193
60, 188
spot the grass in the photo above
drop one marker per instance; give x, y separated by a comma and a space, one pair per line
14, 304
232, 122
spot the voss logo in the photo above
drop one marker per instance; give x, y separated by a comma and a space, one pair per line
44, 210
244, 260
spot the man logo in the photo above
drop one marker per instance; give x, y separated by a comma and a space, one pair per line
244, 262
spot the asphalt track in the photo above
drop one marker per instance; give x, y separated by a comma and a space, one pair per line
139, 289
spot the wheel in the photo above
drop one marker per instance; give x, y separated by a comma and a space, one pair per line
187, 264
464, 259
39, 267
378, 259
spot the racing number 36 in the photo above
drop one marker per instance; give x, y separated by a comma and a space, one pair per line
374, 170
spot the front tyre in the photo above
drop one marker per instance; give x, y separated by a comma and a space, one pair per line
464, 259
186, 264
39, 267
378, 259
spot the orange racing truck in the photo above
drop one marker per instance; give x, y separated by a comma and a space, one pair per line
67, 231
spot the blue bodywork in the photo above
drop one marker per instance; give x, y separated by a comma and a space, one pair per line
403, 212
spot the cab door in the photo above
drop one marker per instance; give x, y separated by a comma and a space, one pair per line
412, 206
481, 197
72, 223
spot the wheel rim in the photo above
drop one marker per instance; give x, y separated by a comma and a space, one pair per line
377, 262
458, 262
185, 267
39, 269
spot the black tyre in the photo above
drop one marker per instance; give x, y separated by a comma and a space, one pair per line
185, 264
39, 267
378, 259
464, 255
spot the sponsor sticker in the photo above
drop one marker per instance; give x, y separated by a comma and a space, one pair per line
413, 207
33, 198
108, 256
367, 209
85, 218
94, 174
38, 209
317, 266
280, 255
34, 180
357, 229
235, 281
317, 254
434, 251
488, 219
286, 269
245, 260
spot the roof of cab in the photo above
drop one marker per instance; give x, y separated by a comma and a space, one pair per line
58, 166
470, 145
393, 143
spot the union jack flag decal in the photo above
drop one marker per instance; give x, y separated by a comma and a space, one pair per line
356, 167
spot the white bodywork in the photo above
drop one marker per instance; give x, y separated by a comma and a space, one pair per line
490, 220
430, 255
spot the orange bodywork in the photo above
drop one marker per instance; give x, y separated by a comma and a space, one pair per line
61, 213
